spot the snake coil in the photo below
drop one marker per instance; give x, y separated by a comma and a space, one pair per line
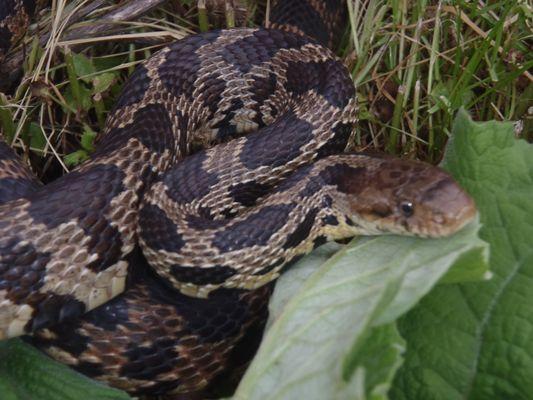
273, 109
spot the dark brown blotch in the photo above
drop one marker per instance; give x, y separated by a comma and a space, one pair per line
277, 144
135, 89
188, 180
302, 16
5, 40
182, 64
270, 267
256, 229
55, 308
202, 276
350, 180
259, 48
151, 125
247, 193
146, 361
22, 272
226, 129
338, 141
302, 230
158, 231
381, 209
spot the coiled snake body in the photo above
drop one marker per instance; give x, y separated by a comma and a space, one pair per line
216, 227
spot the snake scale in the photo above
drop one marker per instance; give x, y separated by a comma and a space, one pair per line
221, 163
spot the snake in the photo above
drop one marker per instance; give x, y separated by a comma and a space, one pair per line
225, 159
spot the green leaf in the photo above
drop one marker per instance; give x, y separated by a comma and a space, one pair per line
375, 361
75, 158
108, 61
83, 67
102, 82
475, 340
37, 139
316, 347
87, 139
26, 374
293, 279
7, 122
87, 146
470, 266
84, 102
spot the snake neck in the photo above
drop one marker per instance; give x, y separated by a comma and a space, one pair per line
337, 197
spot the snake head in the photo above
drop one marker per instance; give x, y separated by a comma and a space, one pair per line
406, 197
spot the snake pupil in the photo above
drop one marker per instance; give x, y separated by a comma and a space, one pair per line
407, 208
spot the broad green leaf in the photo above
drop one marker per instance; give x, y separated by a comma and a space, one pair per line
316, 347
26, 374
471, 266
374, 362
295, 277
475, 340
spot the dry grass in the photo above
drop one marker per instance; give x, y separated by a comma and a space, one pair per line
415, 64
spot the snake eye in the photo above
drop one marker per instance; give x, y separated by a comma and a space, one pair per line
407, 208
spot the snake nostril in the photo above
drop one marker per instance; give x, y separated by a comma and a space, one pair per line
438, 218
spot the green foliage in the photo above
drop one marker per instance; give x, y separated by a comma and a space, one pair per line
87, 146
26, 374
6, 119
337, 337
417, 63
374, 363
36, 139
319, 346
414, 64
475, 340
86, 86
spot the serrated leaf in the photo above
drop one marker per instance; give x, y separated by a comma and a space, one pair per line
26, 374
319, 333
475, 340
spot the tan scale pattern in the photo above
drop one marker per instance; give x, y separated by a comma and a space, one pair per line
197, 357
67, 243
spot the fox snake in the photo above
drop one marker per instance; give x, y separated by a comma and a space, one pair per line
221, 163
